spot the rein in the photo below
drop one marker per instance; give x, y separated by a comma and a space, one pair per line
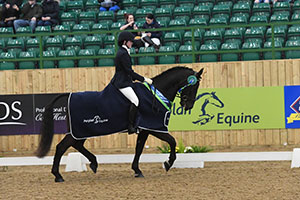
161, 98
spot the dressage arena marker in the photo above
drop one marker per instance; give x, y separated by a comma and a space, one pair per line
296, 158
77, 162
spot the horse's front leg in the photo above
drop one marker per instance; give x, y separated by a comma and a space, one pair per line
140, 143
172, 142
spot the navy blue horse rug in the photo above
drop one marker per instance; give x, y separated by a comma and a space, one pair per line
102, 113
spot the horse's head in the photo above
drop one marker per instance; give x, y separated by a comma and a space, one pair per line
188, 91
179, 81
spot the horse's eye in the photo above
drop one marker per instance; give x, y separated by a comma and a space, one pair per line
184, 98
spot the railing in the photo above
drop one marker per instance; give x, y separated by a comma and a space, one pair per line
115, 33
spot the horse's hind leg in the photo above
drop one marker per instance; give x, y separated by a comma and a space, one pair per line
91, 157
141, 140
61, 148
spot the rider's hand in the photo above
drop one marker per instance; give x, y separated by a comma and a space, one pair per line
148, 80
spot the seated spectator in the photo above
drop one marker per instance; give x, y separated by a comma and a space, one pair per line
10, 12
111, 5
138, 40
50, 13
155, 36
30, 13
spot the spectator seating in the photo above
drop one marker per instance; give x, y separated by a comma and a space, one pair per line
84, 16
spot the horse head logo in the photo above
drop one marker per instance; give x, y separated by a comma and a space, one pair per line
207, 99
97, 119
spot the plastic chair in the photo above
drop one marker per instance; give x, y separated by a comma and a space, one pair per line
76, 6
202, 11
182, 11
106, 16
88, 17
73, 42
268, 55
109, 41
186, 58
130, 3
27, 64
251, 55
54, 43
294, 53
229, 56
67, 63
92, 5
15, 45
221, 9
106, 61
7, 65
93, 42
86, 62
146, 60
166, 59
209, 57
141, 13
49, 63
33, 44
174, 37
69, 18
163, 12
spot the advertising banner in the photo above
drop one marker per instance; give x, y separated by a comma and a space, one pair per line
292, 106
232, 108
214, 109
22, 114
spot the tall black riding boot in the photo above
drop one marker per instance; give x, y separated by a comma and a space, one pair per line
150, 42
132, 118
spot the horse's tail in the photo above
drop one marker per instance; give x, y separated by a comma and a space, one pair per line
47, 128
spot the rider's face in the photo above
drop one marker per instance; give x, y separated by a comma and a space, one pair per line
129, 44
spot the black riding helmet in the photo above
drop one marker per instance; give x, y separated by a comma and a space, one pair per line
125, 36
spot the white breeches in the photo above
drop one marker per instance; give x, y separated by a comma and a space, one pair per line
130, 95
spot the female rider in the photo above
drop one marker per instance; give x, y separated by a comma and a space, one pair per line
124, 76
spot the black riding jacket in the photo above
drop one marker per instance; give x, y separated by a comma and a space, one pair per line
124, 74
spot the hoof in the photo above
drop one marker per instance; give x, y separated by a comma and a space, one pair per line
140, 175
94, 167
59, 180
167, 166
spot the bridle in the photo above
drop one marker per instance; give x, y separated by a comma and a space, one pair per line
191, 80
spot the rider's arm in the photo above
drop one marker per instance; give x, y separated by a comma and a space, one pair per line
126, 63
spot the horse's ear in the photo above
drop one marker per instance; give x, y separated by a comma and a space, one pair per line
198, 75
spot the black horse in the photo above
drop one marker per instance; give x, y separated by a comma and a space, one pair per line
178, 81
